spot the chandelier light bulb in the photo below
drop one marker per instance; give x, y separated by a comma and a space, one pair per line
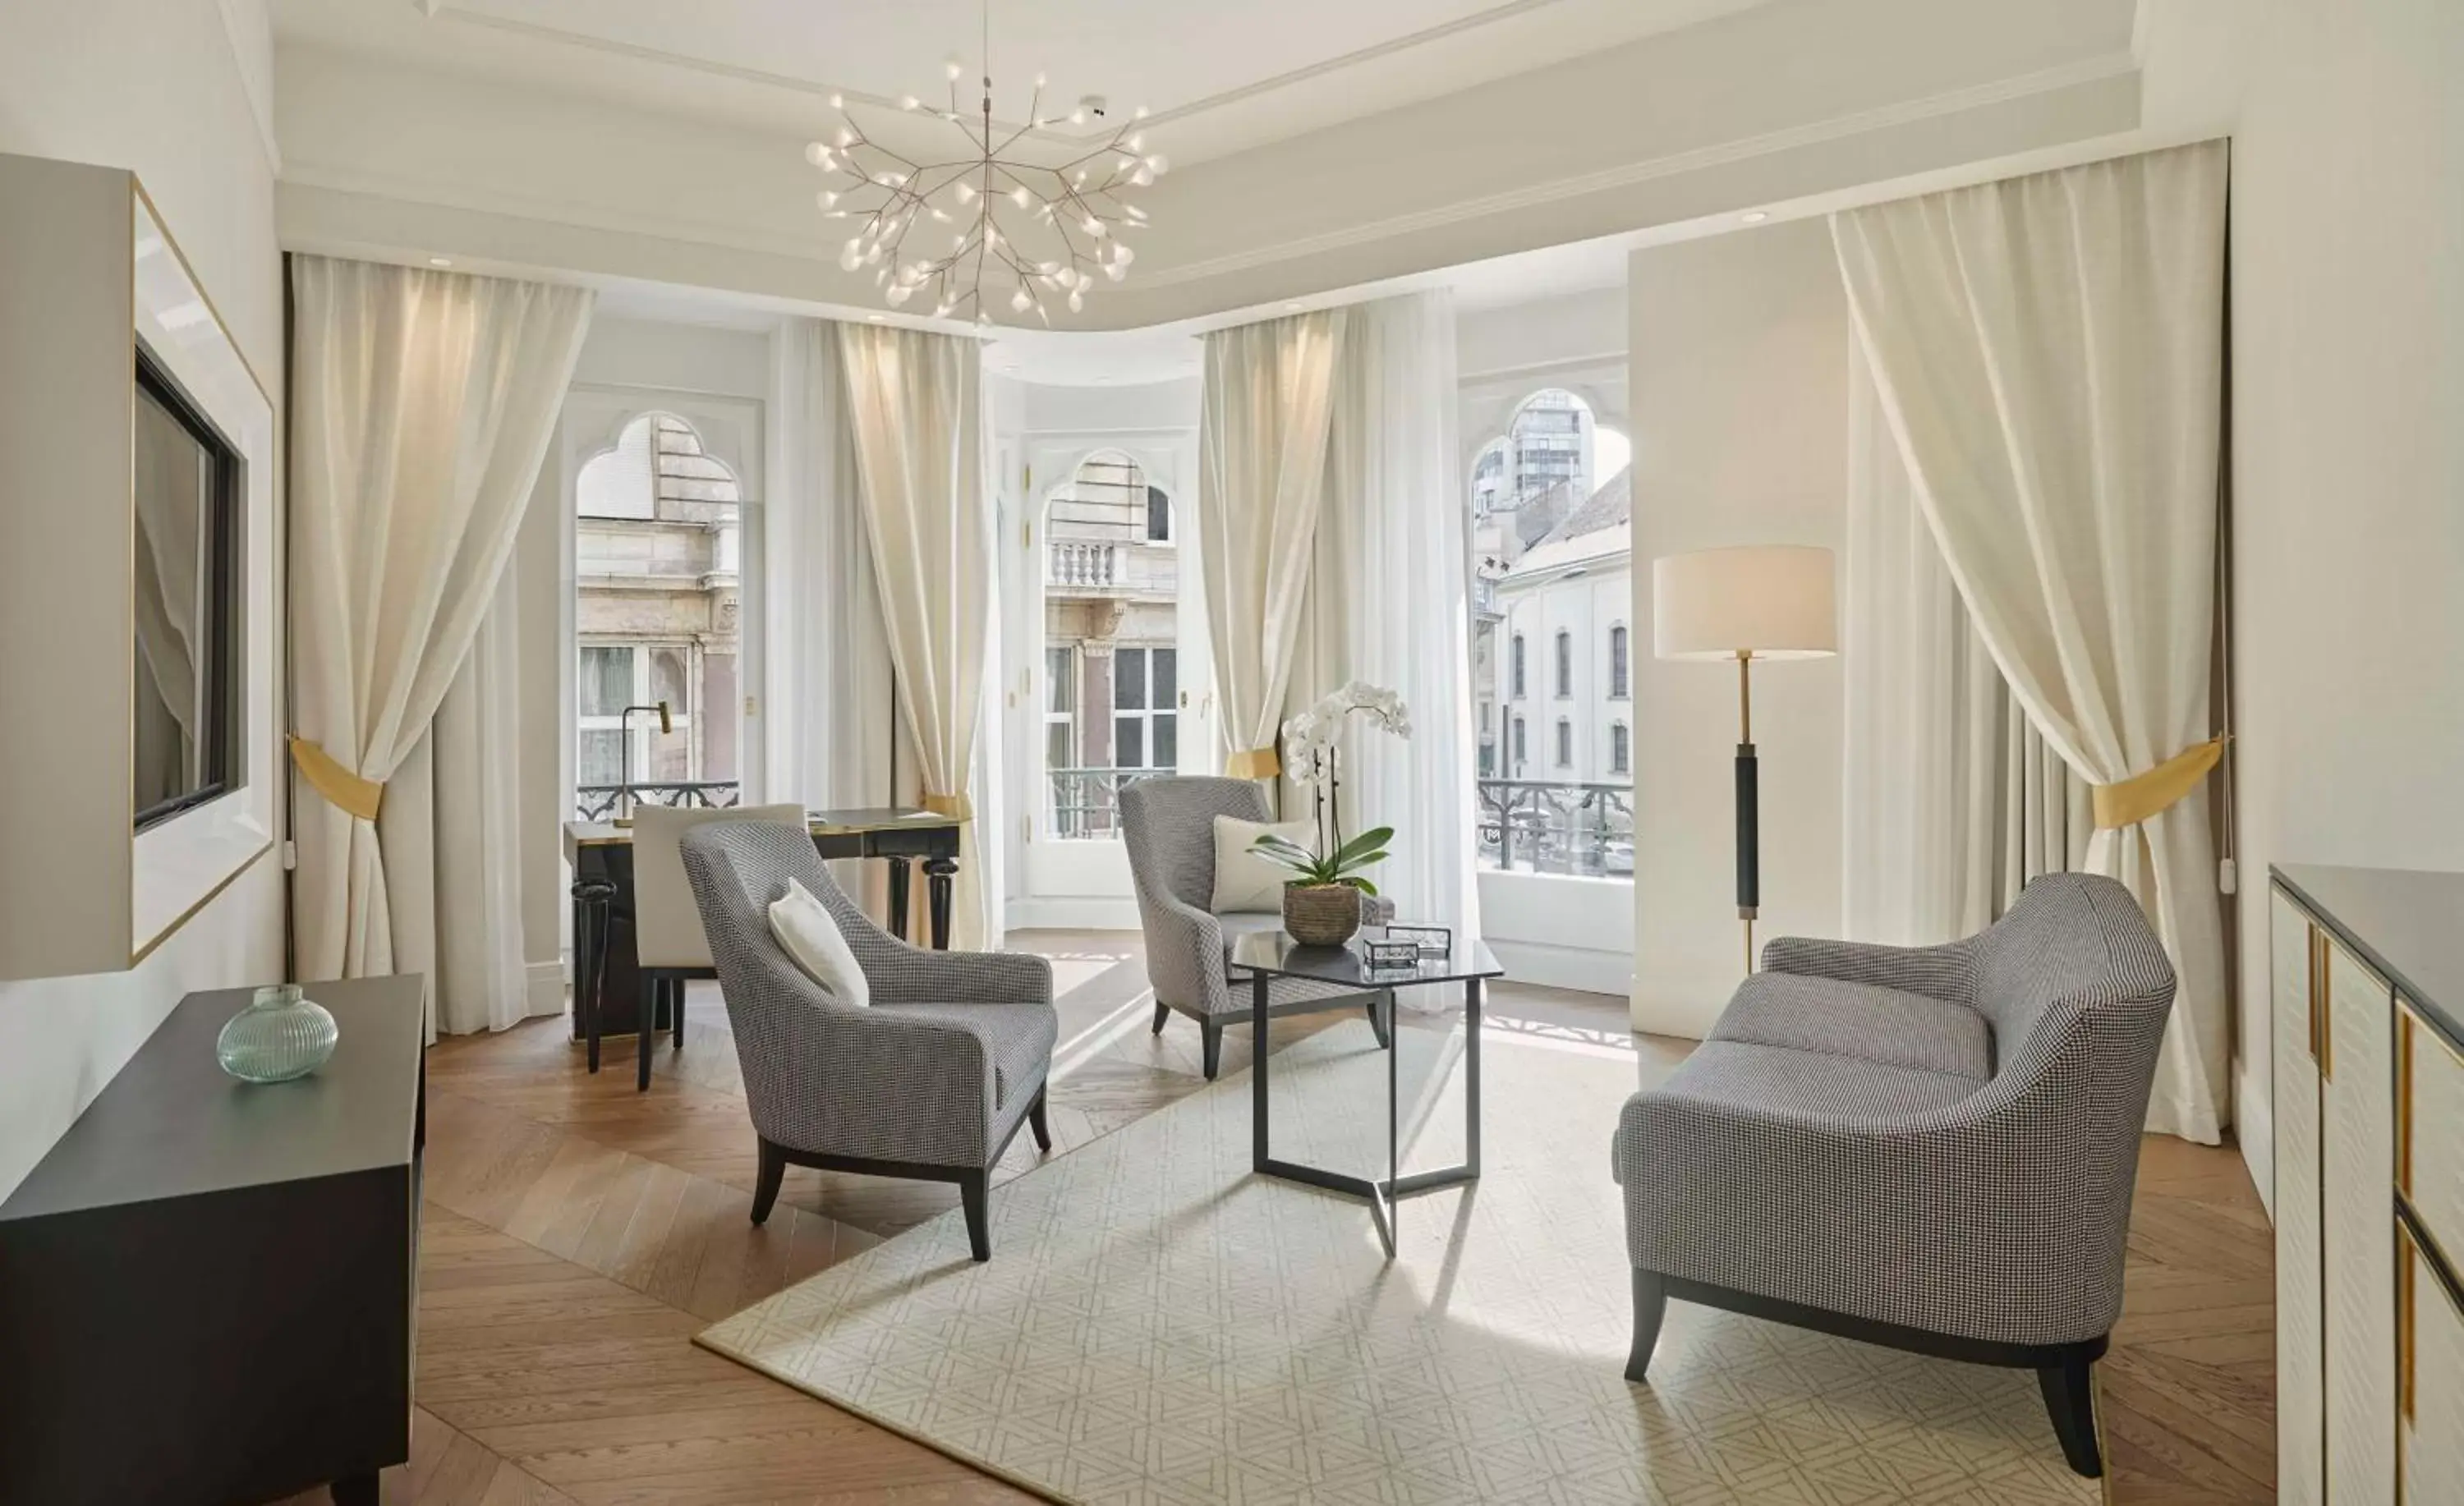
1144, 176
898, 295
908, 101
1122, 256
818, 153
966, 192
1116, 270
828, 198
1077, 117
1077, 301
1158, 163
1021, 197
1022, 300
838, 101
1137, 141
847, 136
1039, 80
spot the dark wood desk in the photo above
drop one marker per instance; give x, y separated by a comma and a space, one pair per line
899, 837
207, 1288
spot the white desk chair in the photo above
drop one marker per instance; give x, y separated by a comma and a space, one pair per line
667, 940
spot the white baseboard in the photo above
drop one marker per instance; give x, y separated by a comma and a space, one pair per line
1566, 967
1086, 913
543, 987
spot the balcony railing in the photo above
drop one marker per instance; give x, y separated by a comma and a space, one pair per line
599, 803
1075, 563
1534, 826
1085, 804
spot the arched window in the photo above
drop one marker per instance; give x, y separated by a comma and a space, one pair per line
656, 619
1516, 676
1564, 664
1619, 683
1565, 743
1112, 660
1621, 749
1522, 747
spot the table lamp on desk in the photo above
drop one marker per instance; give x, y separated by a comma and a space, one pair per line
625, 792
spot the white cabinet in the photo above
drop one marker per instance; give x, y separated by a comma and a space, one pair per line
2370, 1190
2300, 1349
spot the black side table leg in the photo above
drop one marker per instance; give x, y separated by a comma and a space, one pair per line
940, 878
1258, 1154
898, 878
1471, 1075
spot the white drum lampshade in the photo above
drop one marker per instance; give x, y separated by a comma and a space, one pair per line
1770, 601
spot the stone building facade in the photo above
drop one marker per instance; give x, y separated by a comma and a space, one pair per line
1111, 671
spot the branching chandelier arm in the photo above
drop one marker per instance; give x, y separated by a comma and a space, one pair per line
996, 203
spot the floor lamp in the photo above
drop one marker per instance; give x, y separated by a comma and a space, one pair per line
1768, 601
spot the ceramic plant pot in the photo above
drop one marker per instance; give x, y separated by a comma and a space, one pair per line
1321, 914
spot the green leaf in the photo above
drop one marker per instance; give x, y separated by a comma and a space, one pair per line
1363, 863
1375, 837
1363, 885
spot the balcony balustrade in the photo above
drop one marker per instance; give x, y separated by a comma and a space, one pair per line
599, 803
1538, 826
1085, 804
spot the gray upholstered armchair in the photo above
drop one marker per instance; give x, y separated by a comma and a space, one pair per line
1929, 1148
931, 1081
1168, 824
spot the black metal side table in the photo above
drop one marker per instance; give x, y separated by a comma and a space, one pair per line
1267, 956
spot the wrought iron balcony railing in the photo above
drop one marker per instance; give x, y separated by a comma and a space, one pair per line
1540, 827
1087, 802
599, 803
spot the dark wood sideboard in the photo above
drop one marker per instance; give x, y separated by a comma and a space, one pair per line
208, 1289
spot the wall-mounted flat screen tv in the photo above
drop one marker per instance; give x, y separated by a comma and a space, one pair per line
187, 578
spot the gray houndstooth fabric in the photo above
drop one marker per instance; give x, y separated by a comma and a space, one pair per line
1167, 825
1858, 1020
1831, 1163
939, 1071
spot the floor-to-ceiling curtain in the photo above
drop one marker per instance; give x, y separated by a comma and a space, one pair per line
1953, 802
1389, 604
1261, 476
422, 405
832, 724
2048, 351
915, 414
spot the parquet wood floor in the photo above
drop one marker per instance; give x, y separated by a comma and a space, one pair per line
577, 1234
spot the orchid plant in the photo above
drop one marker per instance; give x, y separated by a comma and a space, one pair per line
1312, 751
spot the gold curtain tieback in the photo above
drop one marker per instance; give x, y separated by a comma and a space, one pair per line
347, 791
2129, 801
956, 805
1254, 763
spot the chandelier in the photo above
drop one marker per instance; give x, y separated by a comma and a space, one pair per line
992, 223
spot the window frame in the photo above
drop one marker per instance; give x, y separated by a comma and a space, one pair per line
1515, 666
1620, 750
1146, 716
1565, 748
1564, 664
681, 718
1620, 663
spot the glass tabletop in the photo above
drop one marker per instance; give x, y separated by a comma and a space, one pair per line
1278, 955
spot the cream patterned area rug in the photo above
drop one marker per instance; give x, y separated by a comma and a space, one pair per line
1158, 1325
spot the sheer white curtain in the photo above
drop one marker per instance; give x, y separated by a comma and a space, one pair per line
422, 405
2048, 351
914, 405
1261, 476
1390, 602
832, 724
1953, 802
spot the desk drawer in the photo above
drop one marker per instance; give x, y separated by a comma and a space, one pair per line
2430, 1131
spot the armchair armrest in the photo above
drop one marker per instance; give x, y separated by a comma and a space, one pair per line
1184, 952
1946, 973
915, 976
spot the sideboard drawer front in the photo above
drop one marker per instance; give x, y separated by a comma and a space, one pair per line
2431, 1386
2430, 1135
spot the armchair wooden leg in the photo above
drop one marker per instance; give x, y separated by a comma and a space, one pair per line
2070, 1400
1163, 1016
680, 985
1037, 1122
974, 1193
1211, 1043
1650, 1306
765, 1189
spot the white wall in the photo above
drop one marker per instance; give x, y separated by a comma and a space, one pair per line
2349, 458
160, 87
1738, 378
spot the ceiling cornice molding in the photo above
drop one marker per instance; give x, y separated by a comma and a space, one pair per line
256, 86
656, 56
2098, 68
1528, 371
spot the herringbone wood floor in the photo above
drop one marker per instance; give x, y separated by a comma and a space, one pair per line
577, 1234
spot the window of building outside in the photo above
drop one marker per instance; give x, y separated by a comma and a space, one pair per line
656, 619
1552, 558
1112, 692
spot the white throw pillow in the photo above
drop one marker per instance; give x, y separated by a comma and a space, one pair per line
803, 927
1244, 880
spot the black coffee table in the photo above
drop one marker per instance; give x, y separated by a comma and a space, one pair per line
1274, 956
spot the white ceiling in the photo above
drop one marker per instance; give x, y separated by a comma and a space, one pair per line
1218, 76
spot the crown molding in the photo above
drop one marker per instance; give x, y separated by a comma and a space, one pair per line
257, 86
442, 11
2088, 70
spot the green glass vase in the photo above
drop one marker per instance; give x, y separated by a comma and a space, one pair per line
282, 1035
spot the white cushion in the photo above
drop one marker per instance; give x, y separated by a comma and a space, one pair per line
803, 927
1244, 880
